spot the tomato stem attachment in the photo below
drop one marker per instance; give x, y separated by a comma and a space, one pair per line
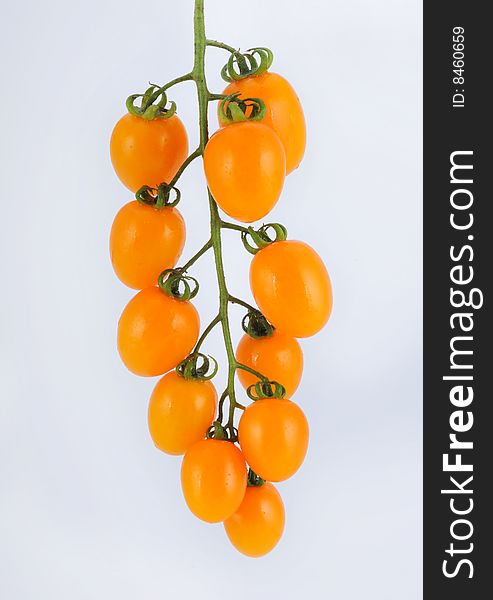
197, 366
147, 109
217, 432
159, 197
178, 285
233, 109
254, 480
252, 63
261, 238
266, 389
256, 325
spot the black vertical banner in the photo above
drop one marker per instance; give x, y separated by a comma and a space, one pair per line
458, 259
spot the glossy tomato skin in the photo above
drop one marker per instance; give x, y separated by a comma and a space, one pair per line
257, 526
284, 112
144, 241
245, 167
278, 356
273, 436
292, 287
156, 332
147, 152
214, 479
180, 412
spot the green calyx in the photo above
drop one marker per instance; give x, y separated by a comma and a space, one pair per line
152, 105
252, 63
265, 389
254, 480
159, 197
256, 325
234, 109
260, 238
178, 285
217, 431
197, 366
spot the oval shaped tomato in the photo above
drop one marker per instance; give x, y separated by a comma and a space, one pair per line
180, 412
156, 332
273, 436
292, 287
147, 152
144, 241
284, 113
213, 479
278, 356
245, 167
257, 526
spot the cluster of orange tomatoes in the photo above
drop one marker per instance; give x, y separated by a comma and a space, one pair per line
245, 164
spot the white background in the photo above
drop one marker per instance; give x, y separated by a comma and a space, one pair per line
88, 508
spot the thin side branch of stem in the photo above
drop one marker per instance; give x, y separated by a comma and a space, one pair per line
221, 45
205, 333
252, 371
186, 77
220, 409
197, 255
233, 226
241, 302
195, 154
213, 97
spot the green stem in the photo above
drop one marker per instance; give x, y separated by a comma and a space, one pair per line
221, 45
197, 255
213, 97
203, 94
235, 300
234, 226
252, 371
206, 332
195, 154
186, 77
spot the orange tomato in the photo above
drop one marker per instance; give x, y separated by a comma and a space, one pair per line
273, 436
144, 241
284, 112
213, 479
147, 152
292, 287
256, 527
156, 332
278, 356
180, 412
245, 168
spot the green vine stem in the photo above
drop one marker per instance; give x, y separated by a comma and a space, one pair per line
235, 300
216, 223
186, 77
215, 321
221, 45
197, 255
234, 227
195, 154
177, 277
